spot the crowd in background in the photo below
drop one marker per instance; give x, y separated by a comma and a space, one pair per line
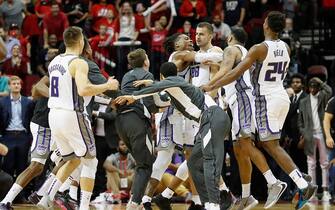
32, 31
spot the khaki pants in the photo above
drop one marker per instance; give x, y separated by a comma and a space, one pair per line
114, 182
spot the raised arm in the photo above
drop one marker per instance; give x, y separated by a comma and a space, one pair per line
170, 23
256, 53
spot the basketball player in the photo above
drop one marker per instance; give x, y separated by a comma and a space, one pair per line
172, 129
240, 99
271, 100
69, 92
214, 124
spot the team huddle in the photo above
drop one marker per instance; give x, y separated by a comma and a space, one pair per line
190, 96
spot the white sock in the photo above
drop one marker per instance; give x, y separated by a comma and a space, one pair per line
207, 206
246, 190
296, 176
223, 186
85, 200
12, 193
73, 192
196, 199
54, 187
167, 193
214, 206
65, 185
146, 199
44, 188
270, 178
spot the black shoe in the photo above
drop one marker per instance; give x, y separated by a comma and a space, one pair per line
6, 206
194, 206
34, 198
147, 206
307, 177
226, 200
305, 195
162, 203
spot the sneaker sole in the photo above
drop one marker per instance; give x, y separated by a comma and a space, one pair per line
252, 205
306, 201
279, 195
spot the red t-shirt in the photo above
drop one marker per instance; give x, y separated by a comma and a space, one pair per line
94, 42
56, 24
158, 38
30, 26
99, 11
187, 8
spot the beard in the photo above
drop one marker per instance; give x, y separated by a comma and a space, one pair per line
124, 152
217, 24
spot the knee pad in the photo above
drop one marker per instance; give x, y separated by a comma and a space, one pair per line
161, 164
182, 172
89, 168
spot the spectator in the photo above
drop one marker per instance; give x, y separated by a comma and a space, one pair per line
31, 29
329, 129
187, 30
11, 12
42, 8
290, 36
5, 179
76, 12
14, 31
290, 133
127, 26
234, 11
15, 65
105, 137
15, 114
4, 89
193, 10
221, 31
120, 171
312, 110
99, 47
10, 42
158, 35
54, 23
108, 21
100, 11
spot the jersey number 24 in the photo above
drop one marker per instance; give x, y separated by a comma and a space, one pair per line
277, 68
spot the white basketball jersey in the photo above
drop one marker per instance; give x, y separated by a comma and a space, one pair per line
184, 73
241, 84
200, 73
268, 76
63, 92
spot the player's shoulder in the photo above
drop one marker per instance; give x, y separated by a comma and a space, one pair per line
216, 49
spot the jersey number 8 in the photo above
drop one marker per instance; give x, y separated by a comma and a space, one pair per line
54, 87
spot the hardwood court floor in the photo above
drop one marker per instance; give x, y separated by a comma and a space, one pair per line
285, 206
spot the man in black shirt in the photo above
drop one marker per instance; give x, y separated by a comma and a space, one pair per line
329, 129
133, 124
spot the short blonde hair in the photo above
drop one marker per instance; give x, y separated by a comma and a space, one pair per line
14, 78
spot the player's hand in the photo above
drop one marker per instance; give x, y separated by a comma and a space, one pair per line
145, 82
330, 142
112, 83
127, 99
3, 149
206, 88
